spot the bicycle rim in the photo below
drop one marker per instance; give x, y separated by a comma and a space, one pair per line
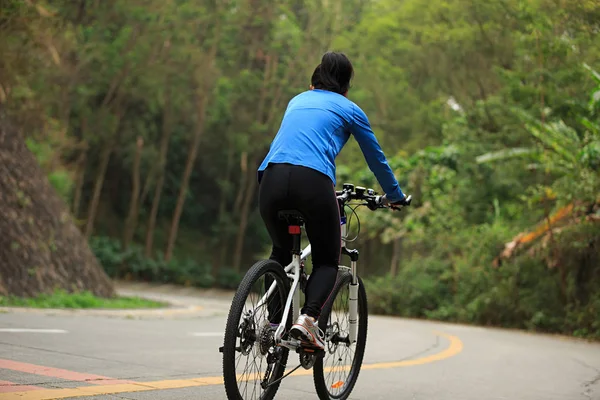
249, 354
337, 372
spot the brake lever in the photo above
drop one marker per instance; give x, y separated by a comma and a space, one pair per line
377, 202
383, 202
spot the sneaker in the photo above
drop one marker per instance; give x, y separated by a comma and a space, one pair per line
307, 331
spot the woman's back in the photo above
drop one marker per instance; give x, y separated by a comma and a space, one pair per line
315, 127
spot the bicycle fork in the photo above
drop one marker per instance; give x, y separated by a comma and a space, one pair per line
353, 300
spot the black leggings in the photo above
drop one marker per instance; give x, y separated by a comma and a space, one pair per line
293, 187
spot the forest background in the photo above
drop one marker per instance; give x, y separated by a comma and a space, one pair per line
150, 117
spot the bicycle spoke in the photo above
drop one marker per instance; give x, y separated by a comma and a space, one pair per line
250, 358
337, 366
252, 323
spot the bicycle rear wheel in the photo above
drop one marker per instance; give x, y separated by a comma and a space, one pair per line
250, 358
336, 373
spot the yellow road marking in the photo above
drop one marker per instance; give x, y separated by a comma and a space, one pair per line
455, 347
83, 391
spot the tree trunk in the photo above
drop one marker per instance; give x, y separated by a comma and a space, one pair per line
93, 209
397, 250
131, 221
224, 247
224, 239
164, 149
41, 249
79, 182
204, 84
154, 213
202, 102
145, 189
239, 198
245, 211
81, 169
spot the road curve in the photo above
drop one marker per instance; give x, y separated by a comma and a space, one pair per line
174, 356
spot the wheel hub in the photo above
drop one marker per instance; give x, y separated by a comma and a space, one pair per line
266, 339
333, 334
247, 335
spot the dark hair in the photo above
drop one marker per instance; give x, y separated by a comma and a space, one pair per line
334, 73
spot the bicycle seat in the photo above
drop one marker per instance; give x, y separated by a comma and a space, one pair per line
293, 217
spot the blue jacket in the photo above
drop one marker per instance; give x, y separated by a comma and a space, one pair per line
315, 127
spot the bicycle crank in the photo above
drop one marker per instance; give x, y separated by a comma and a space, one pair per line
309, 356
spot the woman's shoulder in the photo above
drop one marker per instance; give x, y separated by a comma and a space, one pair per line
326, 99
299, 97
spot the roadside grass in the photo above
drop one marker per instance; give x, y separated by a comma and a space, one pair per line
63, 299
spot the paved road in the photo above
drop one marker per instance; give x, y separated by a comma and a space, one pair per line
173, 355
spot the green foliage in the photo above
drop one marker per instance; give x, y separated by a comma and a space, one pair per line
43, 152
572, 156
228, 278
62, 182
522, 294
554, 287
63, 299
488, 113
108, 252
415, 292
59, 178
132, 264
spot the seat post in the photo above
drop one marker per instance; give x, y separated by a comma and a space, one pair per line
296, 232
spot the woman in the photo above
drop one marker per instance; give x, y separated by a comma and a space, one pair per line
299, 173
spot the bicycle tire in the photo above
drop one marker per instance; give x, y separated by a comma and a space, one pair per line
321, 380
232, 332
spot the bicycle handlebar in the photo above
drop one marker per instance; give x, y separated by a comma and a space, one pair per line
372, 200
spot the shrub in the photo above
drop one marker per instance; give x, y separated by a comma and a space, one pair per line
62, 182
228, 278
524, 293
132, 264
109, 253
60, 179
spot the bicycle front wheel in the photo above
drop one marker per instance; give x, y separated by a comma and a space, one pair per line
336, 373
252, 363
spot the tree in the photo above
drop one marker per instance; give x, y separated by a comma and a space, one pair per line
203, 84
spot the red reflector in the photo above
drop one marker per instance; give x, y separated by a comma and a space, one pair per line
294, 230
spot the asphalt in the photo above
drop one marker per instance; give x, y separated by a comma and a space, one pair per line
173, 354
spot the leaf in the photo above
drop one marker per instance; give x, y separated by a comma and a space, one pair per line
595, 74
505, 154
593, 127
595, 99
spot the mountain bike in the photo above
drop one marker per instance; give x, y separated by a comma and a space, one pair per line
256, 345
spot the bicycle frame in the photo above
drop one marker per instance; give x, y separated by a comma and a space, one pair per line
293, 271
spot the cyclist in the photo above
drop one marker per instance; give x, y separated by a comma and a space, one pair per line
299, 173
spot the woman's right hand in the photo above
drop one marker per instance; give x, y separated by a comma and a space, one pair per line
398, 204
